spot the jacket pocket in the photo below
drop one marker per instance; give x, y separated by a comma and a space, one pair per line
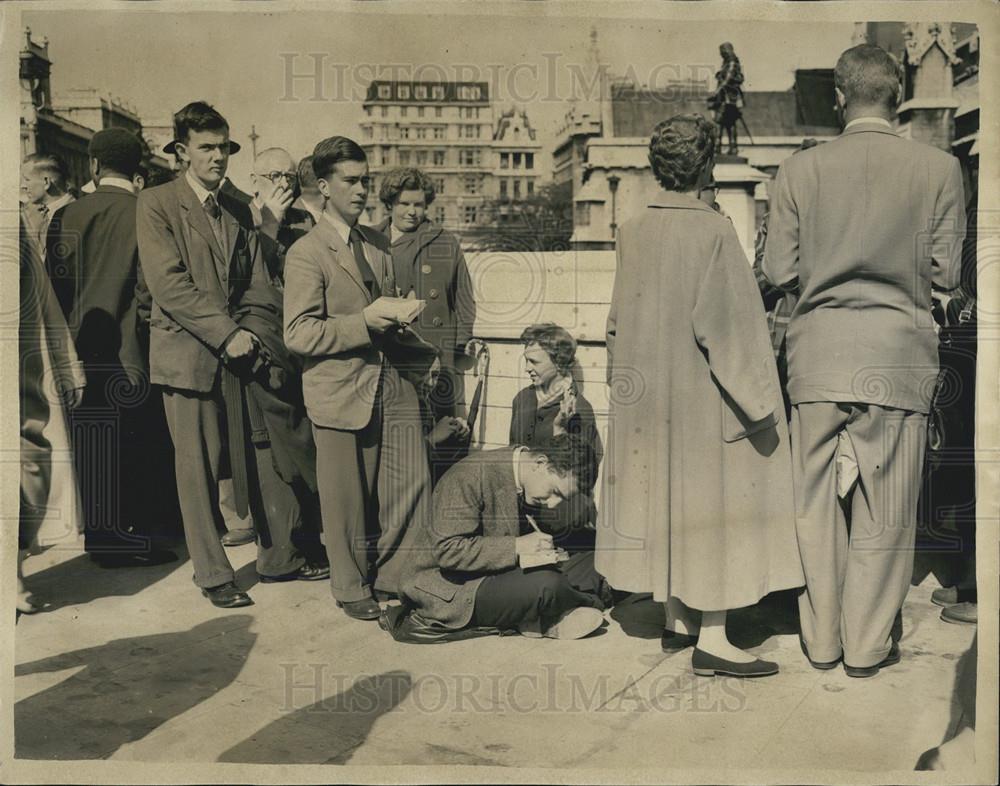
442, 590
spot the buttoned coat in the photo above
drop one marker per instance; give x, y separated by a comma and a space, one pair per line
194, 287
865, 225
325, 297
696, 490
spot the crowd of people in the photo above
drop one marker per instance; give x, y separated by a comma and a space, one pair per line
293, 377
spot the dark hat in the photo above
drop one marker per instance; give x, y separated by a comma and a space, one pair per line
171, 147
117, 148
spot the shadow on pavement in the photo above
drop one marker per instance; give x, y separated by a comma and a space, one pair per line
80, 580
327, 731
127, 688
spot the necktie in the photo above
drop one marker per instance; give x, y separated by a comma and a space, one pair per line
363, 267
43, 227
214, 213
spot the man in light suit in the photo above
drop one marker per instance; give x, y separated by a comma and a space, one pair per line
337, 279
864, 225
201, 258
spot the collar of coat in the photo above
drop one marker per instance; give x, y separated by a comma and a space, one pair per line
679, 200
423, 234
862, 128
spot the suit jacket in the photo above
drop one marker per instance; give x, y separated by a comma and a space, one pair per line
194, 288
476, 519
865, 225
93, 260
429, 262
324, 324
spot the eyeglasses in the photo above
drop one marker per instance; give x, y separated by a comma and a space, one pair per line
291, 177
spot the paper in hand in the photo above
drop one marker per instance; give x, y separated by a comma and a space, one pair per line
542, 558
405, 310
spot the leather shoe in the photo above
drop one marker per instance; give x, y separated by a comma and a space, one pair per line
945, 596
133, 559
822, 665
366, 609
671, 641
227, 596
239, 537
870, 671
964, 613
304, 573
707, 665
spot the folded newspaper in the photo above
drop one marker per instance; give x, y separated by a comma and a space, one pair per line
405, 310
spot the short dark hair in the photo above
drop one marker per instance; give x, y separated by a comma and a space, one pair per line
116, 149
307, 177
404, 179
330, 152
679, 150
555, 340
569, 454
51, 164
868, 75
197, 116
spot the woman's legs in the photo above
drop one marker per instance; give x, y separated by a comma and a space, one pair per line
680, 618
713, 640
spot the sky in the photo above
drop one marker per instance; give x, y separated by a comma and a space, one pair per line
243, 62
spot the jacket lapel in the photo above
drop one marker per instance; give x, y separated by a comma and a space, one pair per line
344, 256
196, 218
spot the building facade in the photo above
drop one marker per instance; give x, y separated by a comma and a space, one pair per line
453, 132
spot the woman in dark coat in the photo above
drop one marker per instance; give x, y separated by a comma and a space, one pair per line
696, 496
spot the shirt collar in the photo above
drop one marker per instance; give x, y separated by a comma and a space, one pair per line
343, 229
199, 190
881, 121
118, 182
517, 470
57, 203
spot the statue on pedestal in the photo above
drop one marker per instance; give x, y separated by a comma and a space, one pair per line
727, 101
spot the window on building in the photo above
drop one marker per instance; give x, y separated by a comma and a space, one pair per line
402, 111
505, 160
385, 111
439, 131
517, 160
439, 213
368, 111
531, 187
438, 158
420, 91
421, 133
385, 156
503, 187
582, 214
468, 156
438, 185
517, 189
384, 91
469, 214
437, 111
404, 92
404, 157
529, 160
471, 184
420, 111
421, 158
437, 92
368, 132
404, 133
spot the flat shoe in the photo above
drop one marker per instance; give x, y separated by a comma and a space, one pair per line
671, 641
964, 613
870, 671
707, 665
303, 573
227, 596
366, 609
945, 596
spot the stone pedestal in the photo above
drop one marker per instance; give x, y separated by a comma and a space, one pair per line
737, 181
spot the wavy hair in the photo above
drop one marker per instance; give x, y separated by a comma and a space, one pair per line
679, 150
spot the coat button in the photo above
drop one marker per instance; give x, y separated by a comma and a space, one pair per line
433, 294
425, 269
437, 322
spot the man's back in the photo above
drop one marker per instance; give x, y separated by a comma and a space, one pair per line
866, 223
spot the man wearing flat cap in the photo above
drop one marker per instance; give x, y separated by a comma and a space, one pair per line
202, 259
92, 259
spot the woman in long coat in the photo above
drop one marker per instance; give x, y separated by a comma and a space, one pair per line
696, 497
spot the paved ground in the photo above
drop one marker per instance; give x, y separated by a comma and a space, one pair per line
134, 665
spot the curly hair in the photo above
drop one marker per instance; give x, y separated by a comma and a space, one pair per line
555, 340
568, 454
404, 179
679, 150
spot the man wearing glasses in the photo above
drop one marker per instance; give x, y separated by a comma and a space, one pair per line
275, 185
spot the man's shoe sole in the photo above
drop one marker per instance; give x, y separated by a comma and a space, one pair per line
575, 624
